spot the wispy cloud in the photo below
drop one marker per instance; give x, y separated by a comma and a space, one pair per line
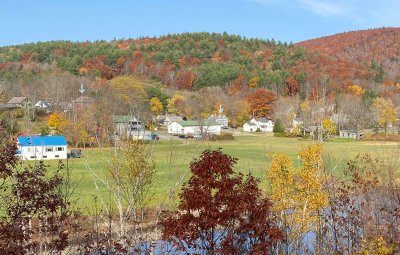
365, 12
324, 8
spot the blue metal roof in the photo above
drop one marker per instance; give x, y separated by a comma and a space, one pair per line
42, 140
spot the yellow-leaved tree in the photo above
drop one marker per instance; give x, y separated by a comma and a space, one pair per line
57, 122
298, 195
156, 106
385, 112
329, 126
176, 104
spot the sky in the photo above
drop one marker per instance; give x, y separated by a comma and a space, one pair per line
25, 21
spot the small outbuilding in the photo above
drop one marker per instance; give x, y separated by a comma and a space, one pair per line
350, 134
42, 147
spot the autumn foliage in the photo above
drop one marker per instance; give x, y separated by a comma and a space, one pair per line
220, 211
261, 102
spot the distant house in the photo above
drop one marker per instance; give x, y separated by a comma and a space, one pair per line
249, 127
40, 104
194, 127
82, 102
42, 147
20, 102
261, 124
221, 119
350, 134
5, 107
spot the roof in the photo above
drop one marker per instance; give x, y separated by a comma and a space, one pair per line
250, 124
122, 118
192, 123
172, 118
16, 100
42, 104
217, 117
42, 140
83, 100
7, 106
262, 120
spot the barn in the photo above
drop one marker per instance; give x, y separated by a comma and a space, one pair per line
42, 147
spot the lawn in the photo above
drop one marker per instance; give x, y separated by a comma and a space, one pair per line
172, 158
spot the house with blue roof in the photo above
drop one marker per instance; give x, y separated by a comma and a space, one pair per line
42, 147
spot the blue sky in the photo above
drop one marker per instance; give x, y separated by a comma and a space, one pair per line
285, 20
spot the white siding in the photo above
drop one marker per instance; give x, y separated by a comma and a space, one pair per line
43, 152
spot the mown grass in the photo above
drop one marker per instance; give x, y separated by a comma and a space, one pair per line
172, 159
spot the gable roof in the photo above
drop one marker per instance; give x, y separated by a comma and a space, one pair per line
121, 118
172, 118
250, 124
7, 106
16, 100
42, 104
264, 120
83, 100
42, 140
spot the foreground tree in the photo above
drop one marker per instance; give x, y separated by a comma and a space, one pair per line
34, 212
220, 212
299, 197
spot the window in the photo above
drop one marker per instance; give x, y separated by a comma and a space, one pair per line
60, 148
49, 149
33, 156
57, 156
44, 156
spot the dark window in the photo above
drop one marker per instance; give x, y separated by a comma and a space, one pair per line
44, 156
60, 148
57, 156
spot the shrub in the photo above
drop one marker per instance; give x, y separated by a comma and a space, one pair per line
223, 137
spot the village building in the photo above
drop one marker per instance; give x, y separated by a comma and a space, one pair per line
20, 102
249, 127
194, 127
40, 104
350, 134
259, 124
167, 119
42, 147
82, 103
219, 118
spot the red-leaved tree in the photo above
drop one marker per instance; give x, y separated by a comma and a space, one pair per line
220, 211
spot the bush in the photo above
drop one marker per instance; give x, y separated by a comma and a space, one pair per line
223, 137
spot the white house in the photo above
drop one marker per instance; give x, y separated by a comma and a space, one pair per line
40, 104
221, 119
42, 147
262, 124
194, 127
249, 127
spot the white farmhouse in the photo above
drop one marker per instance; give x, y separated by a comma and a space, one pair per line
249, 127
194, 127
221, 119
42, 147
262, 124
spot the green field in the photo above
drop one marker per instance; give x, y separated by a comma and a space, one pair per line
172, 158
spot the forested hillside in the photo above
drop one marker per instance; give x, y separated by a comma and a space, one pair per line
192, 61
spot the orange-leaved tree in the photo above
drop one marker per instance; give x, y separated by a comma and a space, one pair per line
262, 102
